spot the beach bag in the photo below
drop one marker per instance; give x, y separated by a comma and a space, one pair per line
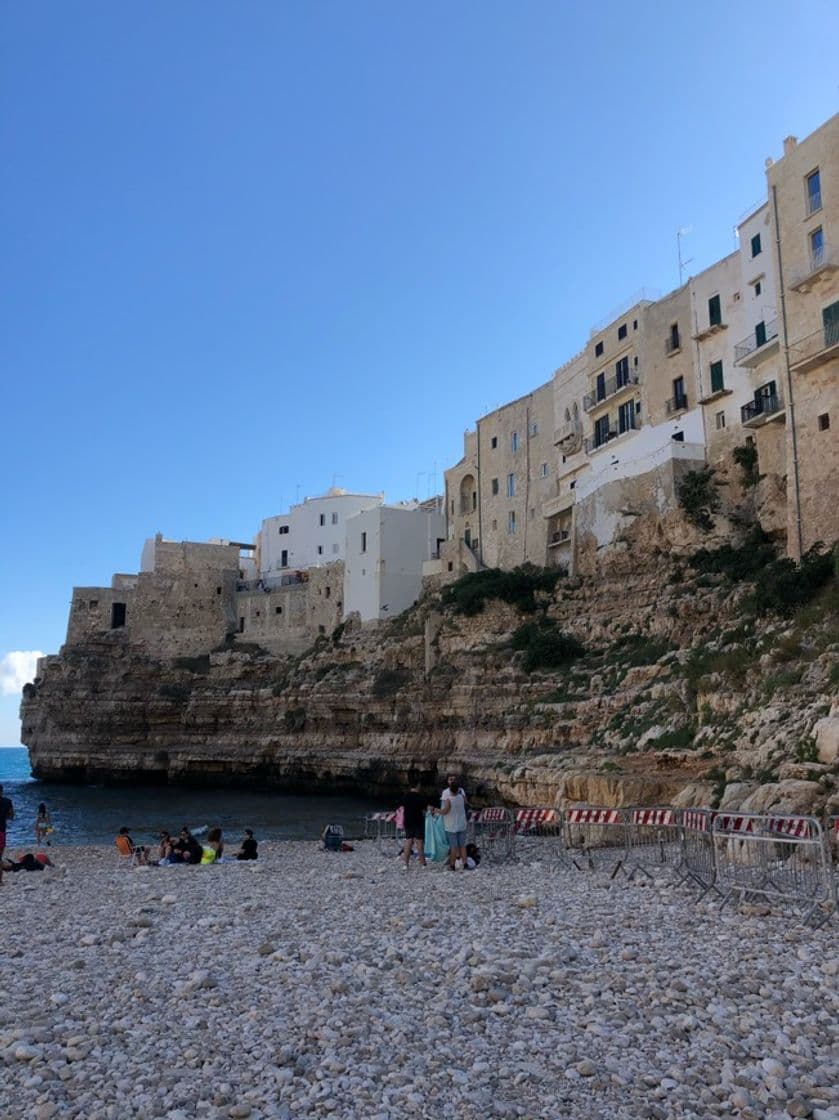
436, 845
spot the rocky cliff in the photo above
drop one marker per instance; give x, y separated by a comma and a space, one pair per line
679, 695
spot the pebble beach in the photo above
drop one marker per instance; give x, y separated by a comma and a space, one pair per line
313, 984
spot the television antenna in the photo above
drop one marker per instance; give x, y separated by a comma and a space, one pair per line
680, 233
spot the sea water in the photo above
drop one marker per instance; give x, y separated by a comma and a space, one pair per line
94, 814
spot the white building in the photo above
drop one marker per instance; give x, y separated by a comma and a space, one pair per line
311, 534
386, 547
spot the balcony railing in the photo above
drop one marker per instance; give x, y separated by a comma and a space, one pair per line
815, 348
761, 409
679, 403
611, 386
592, 443
822, 261
747, 350
672, 344
560, 536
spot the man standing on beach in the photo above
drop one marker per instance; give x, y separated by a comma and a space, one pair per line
453, 809
7, 813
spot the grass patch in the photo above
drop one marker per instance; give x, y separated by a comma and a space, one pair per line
699, 498
638, 649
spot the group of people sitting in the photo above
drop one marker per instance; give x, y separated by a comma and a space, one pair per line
185, 848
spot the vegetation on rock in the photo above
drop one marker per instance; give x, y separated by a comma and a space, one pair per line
518, 587
699, 498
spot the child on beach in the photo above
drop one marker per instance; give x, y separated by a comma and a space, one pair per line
43, 826
213, 850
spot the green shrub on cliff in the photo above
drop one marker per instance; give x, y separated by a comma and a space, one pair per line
745, 562
784, 586
545, 646
698, 496
518, 587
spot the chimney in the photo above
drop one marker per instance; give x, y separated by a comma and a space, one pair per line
789, 144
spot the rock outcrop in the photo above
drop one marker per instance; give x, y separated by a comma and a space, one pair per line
678, 697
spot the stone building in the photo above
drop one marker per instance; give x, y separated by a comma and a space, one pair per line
804, 212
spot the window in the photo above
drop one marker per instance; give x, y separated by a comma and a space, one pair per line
622, 331
494, 442
817, 246
814, 192
717, 385
824, 421
284, 558
327, 591
543, 470
719, 420
323, 519
601, 430
117, 615
278, 610
598, 350
511, 486
714, 311
675, 340
635, 324
320, 550
572, 484
756, 245
494, 524
600, 385
534, 429
756, 287
514, 441
830, 319
760, 334
511, 522
679, 396
621, 373
334, 518
241, 625
626, 417
494, 485
452, 507
283, 530
363, 542
92, 604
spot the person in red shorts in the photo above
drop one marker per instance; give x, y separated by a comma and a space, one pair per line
7, 813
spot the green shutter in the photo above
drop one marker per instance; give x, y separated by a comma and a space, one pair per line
717, 384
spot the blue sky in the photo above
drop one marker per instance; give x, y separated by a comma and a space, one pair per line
253, 248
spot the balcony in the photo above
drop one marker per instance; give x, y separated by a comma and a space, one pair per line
706, 332
762, 409
759, 345
821, 264
569, 437
676, 404
672, 345
814, 349
595, 442
612, 386
560, 537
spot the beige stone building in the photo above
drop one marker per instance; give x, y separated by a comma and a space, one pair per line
804, 212
495, 494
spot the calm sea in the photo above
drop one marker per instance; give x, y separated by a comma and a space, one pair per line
94, 815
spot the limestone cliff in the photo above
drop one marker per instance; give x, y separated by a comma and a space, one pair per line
679, 697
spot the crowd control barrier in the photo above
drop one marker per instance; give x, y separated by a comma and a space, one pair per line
596, 839
495, 834
540, 833
696, 866
381, 827
774, 858
653, 842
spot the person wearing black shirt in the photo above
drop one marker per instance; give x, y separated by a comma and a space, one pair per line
414, 805
248, 848
7, 813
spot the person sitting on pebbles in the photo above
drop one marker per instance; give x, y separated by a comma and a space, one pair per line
187, 847
248, 848
29, 862
213, 850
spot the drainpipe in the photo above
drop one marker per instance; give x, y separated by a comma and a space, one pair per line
526, 479
790, 400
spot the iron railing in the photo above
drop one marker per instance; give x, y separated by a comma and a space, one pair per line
755, 340
825, 338
765, 405
611, 386
679, 403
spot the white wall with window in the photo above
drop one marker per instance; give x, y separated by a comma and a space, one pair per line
386, 547
313, 532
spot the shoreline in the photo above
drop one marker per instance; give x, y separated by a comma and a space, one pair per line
312, 984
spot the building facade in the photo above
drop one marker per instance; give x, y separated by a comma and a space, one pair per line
312, 533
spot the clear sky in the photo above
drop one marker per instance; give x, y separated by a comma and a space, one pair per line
251, 249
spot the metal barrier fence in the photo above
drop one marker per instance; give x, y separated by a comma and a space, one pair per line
381, 827
696, 861
495, 834
774, 858
596, 838
653, 842
540, 833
